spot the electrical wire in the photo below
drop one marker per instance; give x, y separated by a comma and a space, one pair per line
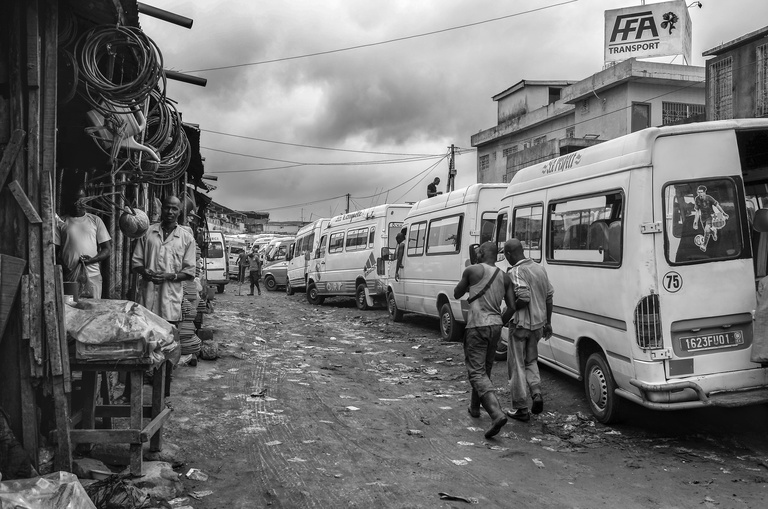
348, 163
311, 146
388, 41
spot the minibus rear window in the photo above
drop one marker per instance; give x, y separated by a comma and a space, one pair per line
215, 250
702, 221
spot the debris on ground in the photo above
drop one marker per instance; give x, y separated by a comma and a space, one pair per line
197, 475
458, 498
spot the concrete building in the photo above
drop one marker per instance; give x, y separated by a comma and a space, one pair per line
540, 120
737, 77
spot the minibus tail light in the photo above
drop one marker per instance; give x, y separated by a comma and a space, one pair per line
648, 323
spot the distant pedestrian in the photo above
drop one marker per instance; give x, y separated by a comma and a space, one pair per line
242, 266
532, 320
254, 267
432, 188
399, 251
487, 286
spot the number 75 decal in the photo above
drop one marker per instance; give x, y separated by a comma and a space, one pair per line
672, 282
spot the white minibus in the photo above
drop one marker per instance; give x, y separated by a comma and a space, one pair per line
216, 262
650, 243
348, 259
274, 268
440, 232
307, 240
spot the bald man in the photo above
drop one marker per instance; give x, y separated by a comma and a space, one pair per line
164, 258
487, 286
531, 321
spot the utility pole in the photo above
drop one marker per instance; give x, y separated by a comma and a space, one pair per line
451, 171
347, 211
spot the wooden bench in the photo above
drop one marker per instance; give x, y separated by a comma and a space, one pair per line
136, 411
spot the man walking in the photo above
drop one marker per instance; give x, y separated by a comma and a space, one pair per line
164, 257
531, 320
82, 243
254, 263
487, 286
399, 252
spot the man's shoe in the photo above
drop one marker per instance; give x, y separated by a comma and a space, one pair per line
538, 404
521, 414
250, 294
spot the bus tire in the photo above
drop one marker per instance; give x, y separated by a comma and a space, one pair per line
450, 329
600, 389
270, 283
288, 288
313, 296
394, 312
360, 300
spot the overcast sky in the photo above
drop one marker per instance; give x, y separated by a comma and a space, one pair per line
400, 100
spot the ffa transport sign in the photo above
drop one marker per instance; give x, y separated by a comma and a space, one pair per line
643, 31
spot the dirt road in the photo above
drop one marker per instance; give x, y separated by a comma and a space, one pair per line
332, 407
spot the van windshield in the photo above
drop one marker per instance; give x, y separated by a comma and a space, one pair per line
702, 221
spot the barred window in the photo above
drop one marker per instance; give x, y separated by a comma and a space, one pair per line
485, 162
510, 150
672, 113
539, 140
761, 91
570, 132
721, 89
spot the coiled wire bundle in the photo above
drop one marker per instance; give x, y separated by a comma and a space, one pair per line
166, 133
118, 67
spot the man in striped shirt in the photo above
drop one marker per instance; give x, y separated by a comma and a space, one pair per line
532, 320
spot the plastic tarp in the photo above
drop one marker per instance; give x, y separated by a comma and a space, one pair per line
119, 329
59, 490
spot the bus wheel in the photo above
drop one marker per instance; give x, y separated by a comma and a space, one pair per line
450, 330
601, 390
360, 300
288, 288
396, 314
313, 296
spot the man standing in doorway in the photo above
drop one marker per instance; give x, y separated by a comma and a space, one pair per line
164, 258
399, 252
487, 286
83, 242
432, 188
531, 320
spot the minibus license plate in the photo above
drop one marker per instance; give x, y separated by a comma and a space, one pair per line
711, 341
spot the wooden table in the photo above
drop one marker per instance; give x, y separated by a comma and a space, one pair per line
136, 411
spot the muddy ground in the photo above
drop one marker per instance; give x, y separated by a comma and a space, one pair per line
332, 407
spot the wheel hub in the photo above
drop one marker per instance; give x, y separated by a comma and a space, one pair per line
598, 388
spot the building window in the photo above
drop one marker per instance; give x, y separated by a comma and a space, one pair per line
485, 162
761, 101
641, 116
504, 178
554, 94
673, 113
510, 150
539, 140
570, 132
721, 89
526, 145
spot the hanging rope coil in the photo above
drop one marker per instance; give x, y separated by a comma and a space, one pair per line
119, 67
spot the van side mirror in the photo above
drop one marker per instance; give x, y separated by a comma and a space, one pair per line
385, 253
474, 251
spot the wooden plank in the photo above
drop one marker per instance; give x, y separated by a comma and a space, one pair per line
59, 289
137, 406
10, 153
28, 395
33, 44
24, 202
156, 426
33, 319
158, 403
63, 433
52, 337
106, 436
25, 307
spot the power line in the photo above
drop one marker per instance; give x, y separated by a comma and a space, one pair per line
311, 146
398, 39
343, 163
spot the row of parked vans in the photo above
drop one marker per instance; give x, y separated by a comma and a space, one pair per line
653, 243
